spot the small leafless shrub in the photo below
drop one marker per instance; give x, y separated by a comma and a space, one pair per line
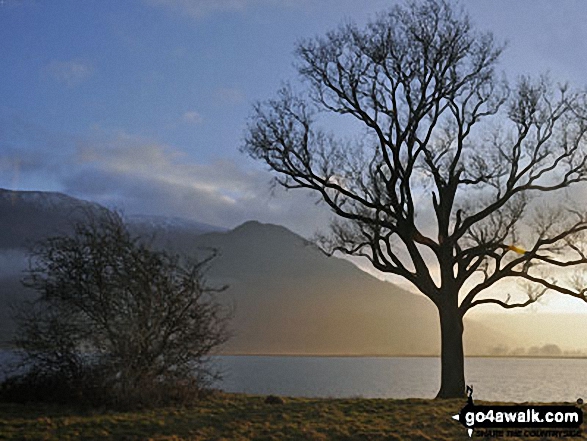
116, 322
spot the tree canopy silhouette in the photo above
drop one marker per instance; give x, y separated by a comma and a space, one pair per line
440, 187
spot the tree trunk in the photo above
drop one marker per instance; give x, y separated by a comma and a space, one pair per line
452, 357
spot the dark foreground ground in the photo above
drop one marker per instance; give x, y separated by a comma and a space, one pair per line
242, 417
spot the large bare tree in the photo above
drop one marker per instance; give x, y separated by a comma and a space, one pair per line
439, 188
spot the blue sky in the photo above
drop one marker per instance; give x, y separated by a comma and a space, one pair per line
142, 104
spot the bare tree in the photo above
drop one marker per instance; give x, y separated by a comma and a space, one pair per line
439, 188
116, 313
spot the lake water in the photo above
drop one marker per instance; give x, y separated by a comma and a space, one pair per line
495, 379
498, 379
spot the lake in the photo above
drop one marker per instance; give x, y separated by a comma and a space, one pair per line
495, 379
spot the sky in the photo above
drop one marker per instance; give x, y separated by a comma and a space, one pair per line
142, 104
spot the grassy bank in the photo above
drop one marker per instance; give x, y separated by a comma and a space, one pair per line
242, 417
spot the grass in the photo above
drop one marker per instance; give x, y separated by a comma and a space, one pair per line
243, 417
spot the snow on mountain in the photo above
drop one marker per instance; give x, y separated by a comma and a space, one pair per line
44, 200
170, 223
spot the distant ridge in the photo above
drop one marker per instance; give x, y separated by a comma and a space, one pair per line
28, 216
166, 223
289, 297
292, 299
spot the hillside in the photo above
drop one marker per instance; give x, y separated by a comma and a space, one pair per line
28, 216
288, 296
291, 298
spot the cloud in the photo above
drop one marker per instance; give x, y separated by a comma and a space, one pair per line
192, 117
30, 152
141, 176
70, 73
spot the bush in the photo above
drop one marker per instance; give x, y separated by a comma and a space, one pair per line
116, 322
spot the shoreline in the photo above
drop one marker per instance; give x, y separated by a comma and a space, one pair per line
240, 354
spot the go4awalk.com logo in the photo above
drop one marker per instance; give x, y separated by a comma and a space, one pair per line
534, 421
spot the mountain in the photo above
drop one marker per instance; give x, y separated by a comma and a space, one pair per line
28, 216
291, 298
165, 224
25, 218
288, 296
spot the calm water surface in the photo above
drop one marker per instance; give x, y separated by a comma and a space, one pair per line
499, 379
